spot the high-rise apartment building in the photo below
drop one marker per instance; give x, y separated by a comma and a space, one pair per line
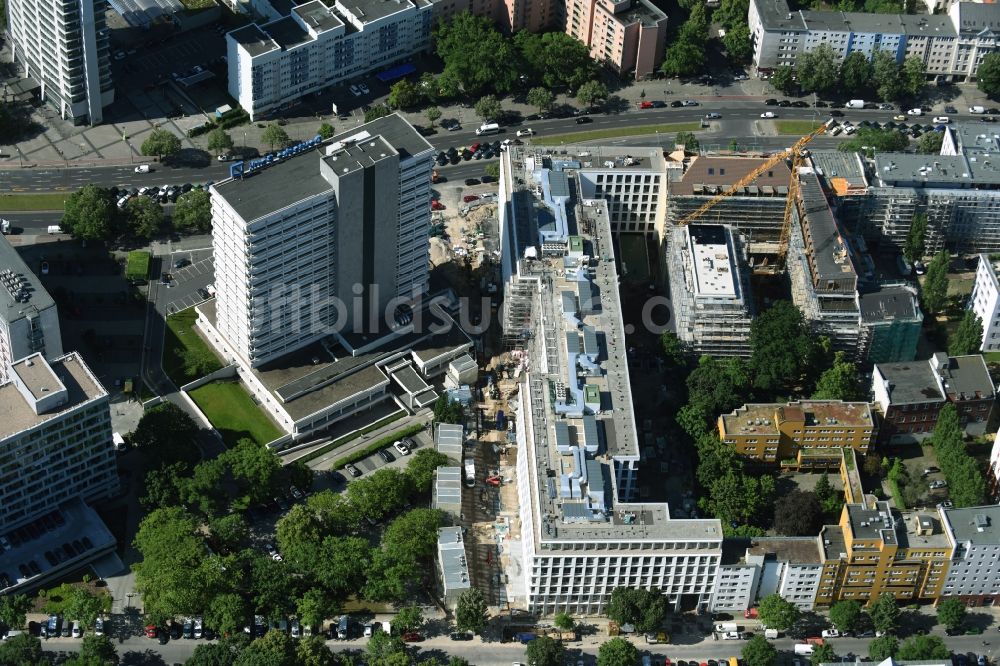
974, 570
328, 239
583, 529
787, 566
710, 290
891, 322
29, 320
629, 36
63, 45
985, 302
55, 438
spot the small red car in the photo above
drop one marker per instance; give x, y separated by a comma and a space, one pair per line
412, 637
645, 105
470, 197
436, 205
150, 631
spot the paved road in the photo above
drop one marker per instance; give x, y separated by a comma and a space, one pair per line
740, 118
503, 654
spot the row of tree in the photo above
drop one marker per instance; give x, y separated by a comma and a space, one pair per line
92, 213
817, 71
966, 484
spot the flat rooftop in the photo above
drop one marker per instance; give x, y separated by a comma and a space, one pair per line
254, 40
367, 11
830, 258
17, 415
872, 523
890, 303
841, 170
763, 418
978, 525
642, 12
921, 529
37, 376
834, 545
707, 175
775, 15
803, 550
21, 292
712, 260
966, 377
294, 179
911, 382
318, 16
574, 485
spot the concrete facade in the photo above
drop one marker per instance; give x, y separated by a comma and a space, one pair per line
985, 302
64, 47
974, 533
790, 567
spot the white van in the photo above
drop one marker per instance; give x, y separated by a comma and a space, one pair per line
771, 634
856, 104
142, 168
488, 128
977, 109
55, 229
118, 441
732, 636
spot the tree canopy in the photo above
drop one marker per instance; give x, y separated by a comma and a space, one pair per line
817, 69
759, 652
617, 652
968, 336
885, 613
872, 140
555, 58
642, 608
447, 410
966, 483
471, 611
776, 613
935, 286
781, 345
144, 217
90, 214
951, 613
167, 434
845, 614
883, 647
988, 75
161, 143
546, 651
274, 135
913, 248
797, 513
476, 54
923, 648
193, 212
839, 382
219, 140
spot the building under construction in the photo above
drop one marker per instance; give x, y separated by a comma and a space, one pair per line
756, 211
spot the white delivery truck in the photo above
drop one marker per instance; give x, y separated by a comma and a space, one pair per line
977, 109
803, 648
727, 626
771, 634
470, 473
55, 229
856, 104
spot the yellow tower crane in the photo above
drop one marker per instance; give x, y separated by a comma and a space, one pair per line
795, 152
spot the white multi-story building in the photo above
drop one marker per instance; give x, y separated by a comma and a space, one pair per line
324, 240
951, 46
319, 45
64, 47
790, 567
985, 302
632, 181
583, 531
974, 571
710, 290
29, 320
55, 438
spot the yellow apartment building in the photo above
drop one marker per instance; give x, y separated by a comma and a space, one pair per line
875, 549
775, 432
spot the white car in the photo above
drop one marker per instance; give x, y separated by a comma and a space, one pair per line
689, 102
142, 168
713, 116
99, 626
356, 91
399, 446
77, 630
272, 552
915, 112
830, 633
364, 88
198, 628
769, 114
527, 131
225, 158
944, 120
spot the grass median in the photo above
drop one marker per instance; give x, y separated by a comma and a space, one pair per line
617, 132
341, 463
232, 411
47, 201
350, 437
800, 127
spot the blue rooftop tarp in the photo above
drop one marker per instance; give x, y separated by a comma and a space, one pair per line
396, 72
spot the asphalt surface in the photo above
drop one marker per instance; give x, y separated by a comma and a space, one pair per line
503, 654
740, 118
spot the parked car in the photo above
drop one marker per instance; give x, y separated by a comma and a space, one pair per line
830, 633
943, 120
940, 483
99, 626
527, 131
412, 637
689, 102
469, 182
352, 470
769, 114
356, 91
399, 446
713, 116
583, 120
931, 470
385, 455
771, 102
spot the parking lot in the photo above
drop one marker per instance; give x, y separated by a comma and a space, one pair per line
184, 287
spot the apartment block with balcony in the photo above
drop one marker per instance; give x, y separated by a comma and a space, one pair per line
775, 432
318, 45
29, 320
628, 36
787, 566
63, 46
974, 570
910, 395
951, 46
985, 302
875, 549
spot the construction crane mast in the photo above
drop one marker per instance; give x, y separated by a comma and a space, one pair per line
796, 154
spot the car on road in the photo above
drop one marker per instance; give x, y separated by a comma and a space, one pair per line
689, 102
769, 114
527, 131
800, 104
676, 104
885, 106
460, 636
899, 117
469, 182
142, 168
771, 102
356, 91
916, 111
45, 268
412, 637
944, 120
836, 114
399, 446
386, 456
150, 631
583, 120
352, 470
785, 103
713, 116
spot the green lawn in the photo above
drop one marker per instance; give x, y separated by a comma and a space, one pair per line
800, 127
138, 265
594, 135
233, 413
48, 201
186, 356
